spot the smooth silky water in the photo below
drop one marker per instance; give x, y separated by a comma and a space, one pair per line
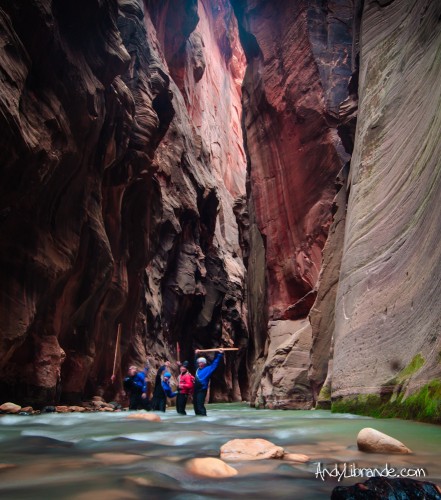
83, 455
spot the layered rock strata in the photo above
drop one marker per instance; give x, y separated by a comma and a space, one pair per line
387, 342
117, 192
299, 66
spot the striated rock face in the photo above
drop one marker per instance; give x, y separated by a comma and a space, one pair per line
321, 315
299, 66
284, 380
58, 102
387, 342
117, 191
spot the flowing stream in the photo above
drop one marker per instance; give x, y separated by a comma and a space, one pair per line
101, 456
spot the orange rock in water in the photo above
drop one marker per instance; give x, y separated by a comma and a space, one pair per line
210, 467
7, 466
10, 408
117, 458
152, 417
296, 457
77, 408
250, 449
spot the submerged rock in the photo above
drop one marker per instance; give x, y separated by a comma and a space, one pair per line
373, 441
296, 457
7, 466
152, 417
108, 494
250, 449
117, 458
385, 488
210, 467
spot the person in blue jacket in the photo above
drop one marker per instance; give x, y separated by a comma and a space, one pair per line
162, 388
135, 386
202, 379
166, 386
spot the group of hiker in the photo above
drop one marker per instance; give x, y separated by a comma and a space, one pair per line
136, 386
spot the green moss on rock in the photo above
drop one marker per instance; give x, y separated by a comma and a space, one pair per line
325, 393
424, 405
416, 363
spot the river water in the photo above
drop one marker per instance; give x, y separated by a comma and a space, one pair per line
80, 456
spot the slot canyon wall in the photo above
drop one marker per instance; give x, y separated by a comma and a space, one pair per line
256, 173
121, 159
388, 322
299, 116
370, 342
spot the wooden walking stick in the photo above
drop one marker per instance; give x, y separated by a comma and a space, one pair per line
218, 349
118, 336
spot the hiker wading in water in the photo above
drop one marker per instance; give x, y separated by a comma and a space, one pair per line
185, 388
202, 379
135, 385
158, 399
162, 388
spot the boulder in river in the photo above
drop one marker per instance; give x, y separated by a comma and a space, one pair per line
152, 417
9, 408
62, 409
373, 441
381, 487
250, 449
77, 408
210, 467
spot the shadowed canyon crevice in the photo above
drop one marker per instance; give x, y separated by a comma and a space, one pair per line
223, 172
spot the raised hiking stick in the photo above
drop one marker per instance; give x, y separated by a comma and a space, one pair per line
178, 352
118, 336
219, 348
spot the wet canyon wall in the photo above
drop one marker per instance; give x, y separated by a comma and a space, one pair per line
299, 121
122, 157
256, 173
388, 322
364, 338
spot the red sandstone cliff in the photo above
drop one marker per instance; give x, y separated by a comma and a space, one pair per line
121, 159
123, 198
299, 66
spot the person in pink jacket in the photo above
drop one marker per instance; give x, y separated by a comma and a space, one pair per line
185, 388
